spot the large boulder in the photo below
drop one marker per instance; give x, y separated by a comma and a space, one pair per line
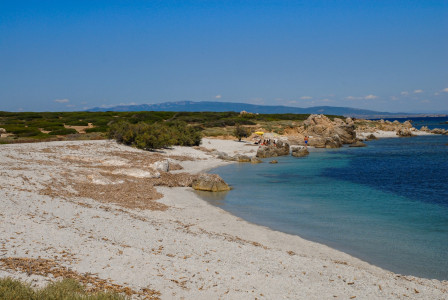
346, 133
161, 165
333, 142
407, 124
300, 151
2, 130
242, 158
358, 144
404, 132
280, 149
371, 137
210, 182
255, 160
438, 131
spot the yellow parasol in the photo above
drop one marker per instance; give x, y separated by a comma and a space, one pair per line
259, 132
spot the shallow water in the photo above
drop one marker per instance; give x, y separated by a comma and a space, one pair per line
386, 204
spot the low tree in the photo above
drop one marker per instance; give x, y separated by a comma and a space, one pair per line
241, 132
156, 135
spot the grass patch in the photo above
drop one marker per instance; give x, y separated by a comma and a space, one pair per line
67, 289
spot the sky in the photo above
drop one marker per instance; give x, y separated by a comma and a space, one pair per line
73, 55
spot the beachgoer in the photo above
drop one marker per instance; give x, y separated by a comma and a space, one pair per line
306, 141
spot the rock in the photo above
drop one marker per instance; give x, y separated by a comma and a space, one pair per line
339, 122
317, 142
242, 158
346, 133
224, 156
211, 183
273, 161
358, 144
255, 160
438, 131
280, 149
300, 151
407, 124
404, 132
2, 130
425, 128
161, 165
333, 142
371, 137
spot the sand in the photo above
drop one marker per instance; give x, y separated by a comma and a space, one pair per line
173, 244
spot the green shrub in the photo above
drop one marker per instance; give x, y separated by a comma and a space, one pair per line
63, 131
97, 129
241, 132
155, 136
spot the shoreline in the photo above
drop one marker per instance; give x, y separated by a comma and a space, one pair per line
206, 252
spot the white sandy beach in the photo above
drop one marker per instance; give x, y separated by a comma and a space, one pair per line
181, 246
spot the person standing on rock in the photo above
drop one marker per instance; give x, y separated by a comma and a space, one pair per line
306, 141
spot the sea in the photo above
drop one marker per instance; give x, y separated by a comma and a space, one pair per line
386, 203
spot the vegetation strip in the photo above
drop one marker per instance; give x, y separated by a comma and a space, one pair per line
45, 267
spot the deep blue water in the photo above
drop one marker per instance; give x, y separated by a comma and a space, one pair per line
386, 203
436, 122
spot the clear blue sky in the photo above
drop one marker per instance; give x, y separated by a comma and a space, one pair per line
71, 55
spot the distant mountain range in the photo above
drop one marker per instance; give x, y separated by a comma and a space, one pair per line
191, 106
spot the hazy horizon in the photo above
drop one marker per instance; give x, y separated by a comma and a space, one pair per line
387, 56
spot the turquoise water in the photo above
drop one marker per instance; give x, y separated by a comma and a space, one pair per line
386, 204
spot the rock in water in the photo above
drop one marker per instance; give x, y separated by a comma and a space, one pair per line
438, 131
299, 151
255, 160
243, 158
273, 161
404, 132
211, 183
280, 149
371, 137
358, 144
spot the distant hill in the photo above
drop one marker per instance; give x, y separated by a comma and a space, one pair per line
262, 109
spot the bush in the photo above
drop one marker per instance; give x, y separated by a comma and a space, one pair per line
63, 131
155, 136
241, 132
97, 129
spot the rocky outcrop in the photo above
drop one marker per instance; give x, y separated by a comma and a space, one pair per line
211, 183
439, 131
371, 137
279, 149
255, 160
358, 144
346, 133
2, 130
407, 124
273, 161
242, 158
425, 128
404, 132
300, 151
224, 156
325, 133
